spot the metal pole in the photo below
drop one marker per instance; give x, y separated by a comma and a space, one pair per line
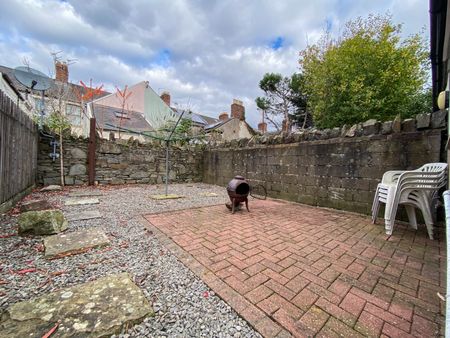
91, 151
167, 166
41, 120
167, 151
446, 196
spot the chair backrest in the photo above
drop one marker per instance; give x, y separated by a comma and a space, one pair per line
433, 167
431, 176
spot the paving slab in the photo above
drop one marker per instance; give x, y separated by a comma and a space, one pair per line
209, 194
165, 197
85, 194
90, 214
312, 271
94, 309
52, 187
83, 201
35, 205
74, 242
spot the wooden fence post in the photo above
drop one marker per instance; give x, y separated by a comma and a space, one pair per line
91, 152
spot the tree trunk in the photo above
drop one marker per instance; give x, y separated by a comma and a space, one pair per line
61, 156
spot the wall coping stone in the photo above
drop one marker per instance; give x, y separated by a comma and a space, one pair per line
420, 123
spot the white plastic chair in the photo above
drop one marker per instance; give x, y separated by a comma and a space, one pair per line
413, 189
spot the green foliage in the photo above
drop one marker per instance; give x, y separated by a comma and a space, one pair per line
184, 131
57, 122
301, 115
184, 127
284, 98
368, 73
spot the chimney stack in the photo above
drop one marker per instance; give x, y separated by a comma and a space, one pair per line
238, 110
61, 71
262, 127
165, 96
223, 116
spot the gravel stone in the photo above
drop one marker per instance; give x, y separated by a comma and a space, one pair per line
176, 293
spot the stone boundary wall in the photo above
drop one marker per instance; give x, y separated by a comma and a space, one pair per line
119, 162
338, 168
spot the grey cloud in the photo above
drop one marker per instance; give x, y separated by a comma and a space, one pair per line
218, 49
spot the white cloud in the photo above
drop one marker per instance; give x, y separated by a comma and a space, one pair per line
204, 52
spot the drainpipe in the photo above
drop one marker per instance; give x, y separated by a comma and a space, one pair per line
446, 196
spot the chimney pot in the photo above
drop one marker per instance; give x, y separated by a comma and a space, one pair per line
165, 96
223, 116
61, 71
262, 127
238, 110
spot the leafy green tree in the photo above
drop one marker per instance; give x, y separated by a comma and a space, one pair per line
57, 121
284, 98
367, 73
184, 127
301, 116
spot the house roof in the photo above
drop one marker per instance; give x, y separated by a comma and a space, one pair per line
198, 119
108, 118
11, 84
70, 90
216, 124
219, 124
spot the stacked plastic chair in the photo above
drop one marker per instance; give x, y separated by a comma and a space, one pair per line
413, 189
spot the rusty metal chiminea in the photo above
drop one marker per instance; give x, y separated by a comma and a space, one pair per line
238, 190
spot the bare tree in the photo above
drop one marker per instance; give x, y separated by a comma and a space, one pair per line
123, 96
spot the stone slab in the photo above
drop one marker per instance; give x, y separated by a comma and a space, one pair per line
52, 187
83, 201
95, 309
165, 197
35, 205
209, 194
90, 214
74, 242
85, 194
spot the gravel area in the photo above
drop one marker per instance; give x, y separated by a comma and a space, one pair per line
184, 305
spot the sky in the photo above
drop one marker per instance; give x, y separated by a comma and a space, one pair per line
205, 53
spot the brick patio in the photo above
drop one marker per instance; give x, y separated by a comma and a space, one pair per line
294, 269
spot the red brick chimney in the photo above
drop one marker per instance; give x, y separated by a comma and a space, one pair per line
61, 71
165, 96
262, 127
223, 117
238, 110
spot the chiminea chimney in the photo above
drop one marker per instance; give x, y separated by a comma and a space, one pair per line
223, 117
238, 110
61, 71
165, 96
262, 127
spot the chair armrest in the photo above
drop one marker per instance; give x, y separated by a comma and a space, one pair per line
391, 176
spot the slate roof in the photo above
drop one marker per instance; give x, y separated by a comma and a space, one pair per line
197, 119
216, 125
107, 116
57, 87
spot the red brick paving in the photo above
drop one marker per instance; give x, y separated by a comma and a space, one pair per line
290, 269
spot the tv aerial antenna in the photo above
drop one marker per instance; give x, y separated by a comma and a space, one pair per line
34, 80
56, 56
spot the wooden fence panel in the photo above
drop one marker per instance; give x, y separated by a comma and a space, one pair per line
18, 149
